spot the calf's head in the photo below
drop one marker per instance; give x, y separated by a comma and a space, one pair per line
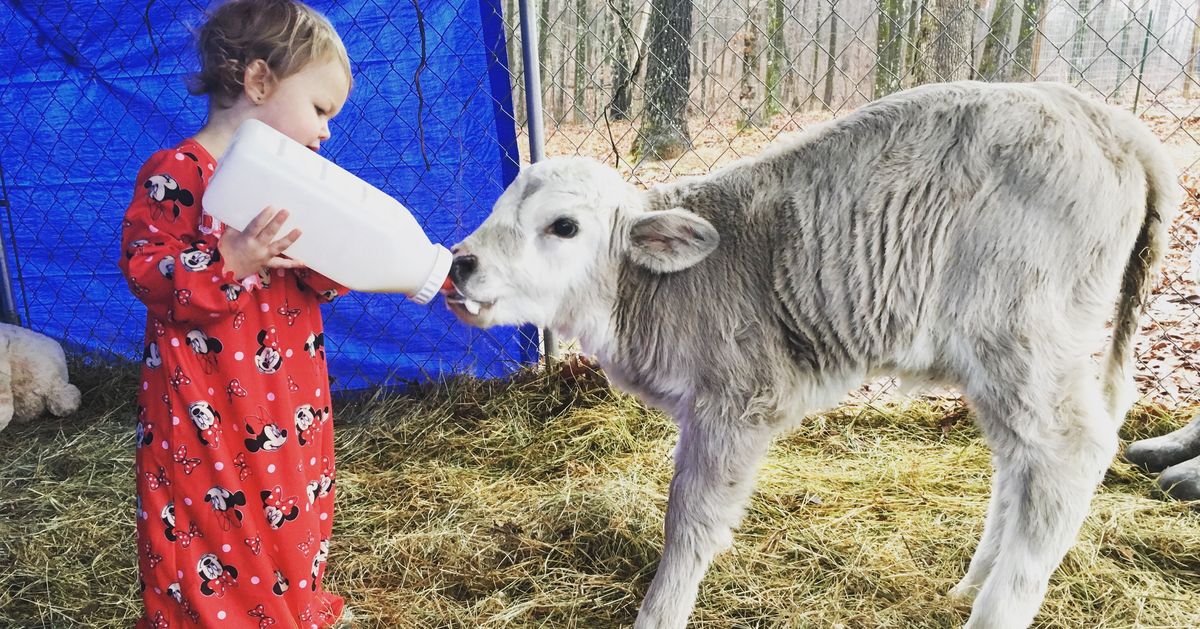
551, 251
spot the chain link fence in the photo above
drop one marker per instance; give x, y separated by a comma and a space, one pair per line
741, 72
90, 89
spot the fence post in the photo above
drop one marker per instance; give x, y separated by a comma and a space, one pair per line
533, 117
8, 303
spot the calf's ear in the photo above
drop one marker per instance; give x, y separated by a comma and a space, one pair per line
666, 241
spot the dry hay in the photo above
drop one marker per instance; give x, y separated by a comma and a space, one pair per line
539, 502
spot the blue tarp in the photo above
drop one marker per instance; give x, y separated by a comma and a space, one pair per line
88, 90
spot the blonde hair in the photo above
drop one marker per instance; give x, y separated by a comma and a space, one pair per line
286, 34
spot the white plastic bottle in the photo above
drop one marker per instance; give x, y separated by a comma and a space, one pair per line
351, 232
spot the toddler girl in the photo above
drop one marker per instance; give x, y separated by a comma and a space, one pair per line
234, 463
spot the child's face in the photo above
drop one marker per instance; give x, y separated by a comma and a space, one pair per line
302, 105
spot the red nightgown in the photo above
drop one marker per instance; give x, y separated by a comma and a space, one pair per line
235, 467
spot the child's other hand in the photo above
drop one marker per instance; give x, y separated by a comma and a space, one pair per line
249, 251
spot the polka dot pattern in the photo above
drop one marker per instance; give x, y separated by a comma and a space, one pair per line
218, 417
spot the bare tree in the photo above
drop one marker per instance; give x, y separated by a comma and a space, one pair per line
1024, 66
543, 48
664, 131
564, 54
944, 42
832, 54
776, 58
515, 62
889, 46
623, 69
911, 55
996, 43
749, 100
816, 55
796, 63
702, 63
581, 44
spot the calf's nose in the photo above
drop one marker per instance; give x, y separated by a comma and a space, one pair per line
462, 268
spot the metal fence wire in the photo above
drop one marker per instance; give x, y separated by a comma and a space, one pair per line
664, 88
659, 88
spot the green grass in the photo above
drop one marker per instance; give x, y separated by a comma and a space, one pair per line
539, 502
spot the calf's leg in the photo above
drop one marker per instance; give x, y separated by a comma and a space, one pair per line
716, 461
1052, 439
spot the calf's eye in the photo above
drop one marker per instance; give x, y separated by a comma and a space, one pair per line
564, 228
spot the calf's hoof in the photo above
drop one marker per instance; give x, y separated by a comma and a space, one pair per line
1182, 481
1159, 453
963, 593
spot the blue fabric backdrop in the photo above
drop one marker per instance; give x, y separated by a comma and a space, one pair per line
88, 90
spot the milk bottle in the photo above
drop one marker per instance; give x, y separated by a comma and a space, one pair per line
351, 232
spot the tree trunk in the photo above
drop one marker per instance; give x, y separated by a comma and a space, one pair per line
832, 55
705, 61
954, 46
911, 52
664, 132
641, 17
515, 62
543, 52
581, 41
889, 47
696, 66
995, 45
776, 58
1024, 67
923, 62
564, 54
796, 64
944, 42
980, 8
748, 98
723, 70
816, 57
596, 39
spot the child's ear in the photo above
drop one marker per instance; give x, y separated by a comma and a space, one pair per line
258, 81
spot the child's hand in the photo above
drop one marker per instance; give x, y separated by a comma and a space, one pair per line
248, 252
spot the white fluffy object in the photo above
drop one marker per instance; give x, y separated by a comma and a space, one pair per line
33, 377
